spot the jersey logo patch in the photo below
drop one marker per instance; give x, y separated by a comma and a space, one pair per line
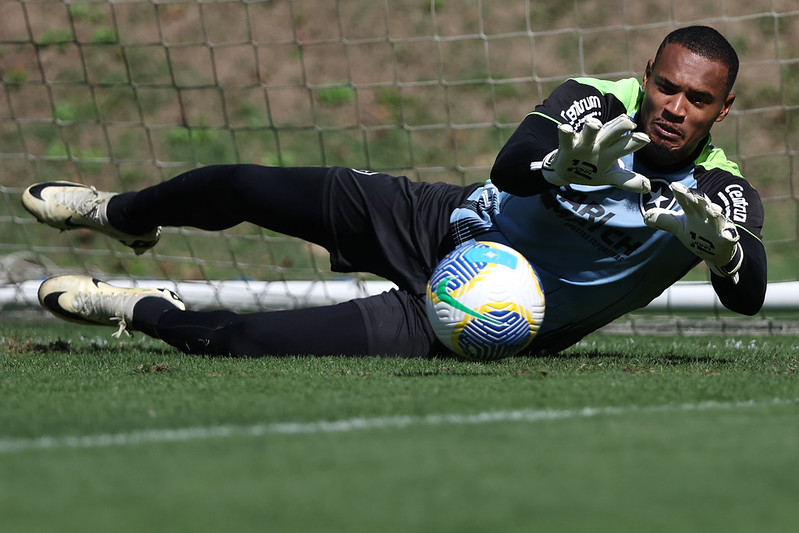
659, 196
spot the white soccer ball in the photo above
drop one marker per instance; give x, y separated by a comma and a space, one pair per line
484, 301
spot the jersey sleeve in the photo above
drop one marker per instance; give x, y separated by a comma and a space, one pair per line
515, 170
535, 137
741, 204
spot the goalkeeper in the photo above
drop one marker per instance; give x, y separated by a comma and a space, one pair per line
612, 190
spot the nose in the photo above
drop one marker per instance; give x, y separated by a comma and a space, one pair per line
675, 106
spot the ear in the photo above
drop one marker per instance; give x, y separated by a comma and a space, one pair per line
648, 71
726, 107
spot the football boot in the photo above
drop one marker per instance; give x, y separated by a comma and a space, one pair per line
65, 205
86, 300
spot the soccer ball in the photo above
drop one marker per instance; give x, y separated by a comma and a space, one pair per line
484, 301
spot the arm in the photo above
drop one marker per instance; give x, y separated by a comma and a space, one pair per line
721, 224
535, 137
741, 204
575, 136
746, 296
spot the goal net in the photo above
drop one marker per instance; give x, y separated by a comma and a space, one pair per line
122, 94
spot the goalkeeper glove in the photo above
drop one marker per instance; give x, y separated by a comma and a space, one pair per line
591, 157
703, 228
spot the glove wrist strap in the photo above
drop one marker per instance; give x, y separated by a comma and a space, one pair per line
548, 171
730, 270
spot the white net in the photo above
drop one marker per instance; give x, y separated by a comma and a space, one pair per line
123, 93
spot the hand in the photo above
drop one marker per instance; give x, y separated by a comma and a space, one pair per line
703, 228
591, 157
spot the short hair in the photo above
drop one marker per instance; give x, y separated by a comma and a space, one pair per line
708, 43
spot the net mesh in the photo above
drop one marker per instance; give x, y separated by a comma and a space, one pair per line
121, 94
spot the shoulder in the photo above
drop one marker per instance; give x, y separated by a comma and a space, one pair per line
627, 91
713, 158
577, 99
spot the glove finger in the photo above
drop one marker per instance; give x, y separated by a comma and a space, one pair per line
713, 210
629, 181
664, 219
689, 202
589, 132
716, 218
626, 145
566, 137
614, 130
636, 141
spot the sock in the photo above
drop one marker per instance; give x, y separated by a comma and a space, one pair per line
118, 215
146, 313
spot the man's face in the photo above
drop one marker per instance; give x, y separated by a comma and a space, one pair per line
685, 94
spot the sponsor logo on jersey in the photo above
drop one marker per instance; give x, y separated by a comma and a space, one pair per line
732, 200
590, 221
581, 109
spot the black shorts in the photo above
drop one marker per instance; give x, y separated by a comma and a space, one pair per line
389, 226
398, 229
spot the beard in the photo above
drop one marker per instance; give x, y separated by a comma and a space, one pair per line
655, 155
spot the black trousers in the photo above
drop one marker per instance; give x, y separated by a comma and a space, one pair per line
369, 222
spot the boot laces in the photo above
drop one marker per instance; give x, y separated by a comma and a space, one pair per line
105, 308
86, 203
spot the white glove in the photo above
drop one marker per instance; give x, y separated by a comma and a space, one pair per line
703, 228
591, 157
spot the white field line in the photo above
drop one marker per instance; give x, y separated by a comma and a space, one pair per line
132, 438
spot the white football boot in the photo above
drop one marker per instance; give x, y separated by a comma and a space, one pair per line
65, 205
86, 300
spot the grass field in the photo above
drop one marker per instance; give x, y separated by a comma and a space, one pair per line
617, 434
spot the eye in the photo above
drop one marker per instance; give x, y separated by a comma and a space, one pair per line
699, 100
666, 88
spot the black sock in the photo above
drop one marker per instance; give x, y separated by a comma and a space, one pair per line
146, 313
118, 210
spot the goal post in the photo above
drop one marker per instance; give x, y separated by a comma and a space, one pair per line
122, 94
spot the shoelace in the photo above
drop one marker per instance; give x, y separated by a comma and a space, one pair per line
93, 307
123, 327
85, 206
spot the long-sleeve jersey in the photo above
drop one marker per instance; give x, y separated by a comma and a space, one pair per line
596, 257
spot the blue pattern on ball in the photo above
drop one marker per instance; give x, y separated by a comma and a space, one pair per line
481, 339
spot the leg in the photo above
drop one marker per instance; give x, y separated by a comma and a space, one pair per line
286, 200
217, 197
395, 327
369, 222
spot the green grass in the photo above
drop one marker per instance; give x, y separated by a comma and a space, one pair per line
616, 434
